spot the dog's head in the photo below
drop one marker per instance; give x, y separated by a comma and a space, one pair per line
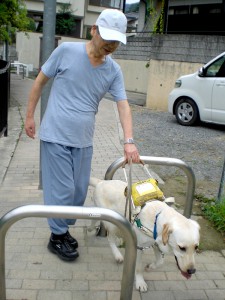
182, 237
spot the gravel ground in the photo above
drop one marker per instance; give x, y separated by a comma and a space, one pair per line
201, 147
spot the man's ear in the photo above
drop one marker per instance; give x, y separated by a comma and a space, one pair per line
94, 30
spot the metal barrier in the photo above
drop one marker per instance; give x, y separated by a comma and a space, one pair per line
165, 161
74, 213
5, 96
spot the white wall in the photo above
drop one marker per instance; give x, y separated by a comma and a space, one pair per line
28, 47
161, 79
135, 75
76, 6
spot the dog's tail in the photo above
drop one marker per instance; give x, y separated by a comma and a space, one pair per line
94, 181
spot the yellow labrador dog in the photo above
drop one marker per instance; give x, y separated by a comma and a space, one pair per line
157, 225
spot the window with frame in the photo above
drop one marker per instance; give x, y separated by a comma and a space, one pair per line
216, 69
106, 3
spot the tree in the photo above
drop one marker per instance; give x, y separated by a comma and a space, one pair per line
13, 16
65, 20
156, 15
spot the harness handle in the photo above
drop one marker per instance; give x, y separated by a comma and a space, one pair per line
129, 185
141, 162
128, 162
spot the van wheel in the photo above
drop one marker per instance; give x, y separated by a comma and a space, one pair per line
186, 112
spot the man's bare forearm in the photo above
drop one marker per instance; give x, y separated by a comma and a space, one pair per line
34, 97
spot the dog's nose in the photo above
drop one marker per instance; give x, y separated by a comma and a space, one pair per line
191, 271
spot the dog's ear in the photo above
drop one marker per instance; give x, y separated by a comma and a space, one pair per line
165, 233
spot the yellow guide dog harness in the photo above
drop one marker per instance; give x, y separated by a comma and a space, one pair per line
138, 194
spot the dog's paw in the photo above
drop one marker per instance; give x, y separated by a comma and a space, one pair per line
89, 229
119, 258
150, 267
141, 285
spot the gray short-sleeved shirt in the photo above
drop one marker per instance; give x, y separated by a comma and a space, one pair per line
77, 89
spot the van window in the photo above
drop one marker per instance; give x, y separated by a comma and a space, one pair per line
217, 68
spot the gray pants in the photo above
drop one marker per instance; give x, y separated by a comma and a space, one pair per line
65, 178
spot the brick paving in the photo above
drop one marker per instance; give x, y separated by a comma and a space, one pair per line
33, 273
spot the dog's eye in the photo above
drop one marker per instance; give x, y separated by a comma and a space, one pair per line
182, 248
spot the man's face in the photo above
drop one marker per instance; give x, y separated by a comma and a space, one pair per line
104, 47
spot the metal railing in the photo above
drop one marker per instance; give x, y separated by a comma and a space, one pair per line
4, 96
74, 213
164, 161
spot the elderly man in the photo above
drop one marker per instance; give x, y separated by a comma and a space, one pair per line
82, 74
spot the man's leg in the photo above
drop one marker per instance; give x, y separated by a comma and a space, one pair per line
81, 173
58, 188
57, 181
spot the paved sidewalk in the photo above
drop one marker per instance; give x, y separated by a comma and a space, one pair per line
32, 273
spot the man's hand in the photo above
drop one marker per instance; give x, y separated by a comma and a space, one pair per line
131, 152
34, 97
30, 127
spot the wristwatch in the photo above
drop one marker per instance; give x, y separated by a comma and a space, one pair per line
129, 141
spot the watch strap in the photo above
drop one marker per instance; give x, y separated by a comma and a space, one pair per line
129, 141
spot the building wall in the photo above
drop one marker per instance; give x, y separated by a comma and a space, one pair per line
76, 6
161, 78
28, 47
135, 75
34, 6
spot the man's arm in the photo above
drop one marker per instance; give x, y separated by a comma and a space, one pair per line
130, 150
34, 97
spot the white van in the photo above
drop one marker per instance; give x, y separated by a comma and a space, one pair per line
200, 96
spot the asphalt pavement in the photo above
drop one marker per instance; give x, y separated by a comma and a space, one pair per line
33, 273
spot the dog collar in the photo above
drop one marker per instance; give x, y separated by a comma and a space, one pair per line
155, 227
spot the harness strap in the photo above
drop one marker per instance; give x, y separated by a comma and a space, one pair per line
128, 196
148, 232
153, 246
145, 229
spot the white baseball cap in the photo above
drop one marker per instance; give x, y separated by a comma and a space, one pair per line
112, 24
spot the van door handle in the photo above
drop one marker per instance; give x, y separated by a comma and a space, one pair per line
222, 83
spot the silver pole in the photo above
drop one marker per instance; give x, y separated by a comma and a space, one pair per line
48, 45
69, 212
221, 187
164, 161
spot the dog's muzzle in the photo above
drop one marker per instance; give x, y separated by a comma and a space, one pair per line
187, 274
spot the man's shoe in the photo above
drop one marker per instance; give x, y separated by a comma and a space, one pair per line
62, 249
71, 240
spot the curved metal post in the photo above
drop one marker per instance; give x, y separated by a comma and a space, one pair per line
69, 212
164, 161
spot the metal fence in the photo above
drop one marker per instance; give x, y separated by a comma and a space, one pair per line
163, 161
4, 96
69, 212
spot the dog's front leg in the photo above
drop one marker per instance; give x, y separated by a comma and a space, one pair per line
116, 252
92, 226
141, 285
159, 259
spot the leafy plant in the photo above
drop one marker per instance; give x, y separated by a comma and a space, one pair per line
13, 16
159, 26
214, 212
65, 22
156, 16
